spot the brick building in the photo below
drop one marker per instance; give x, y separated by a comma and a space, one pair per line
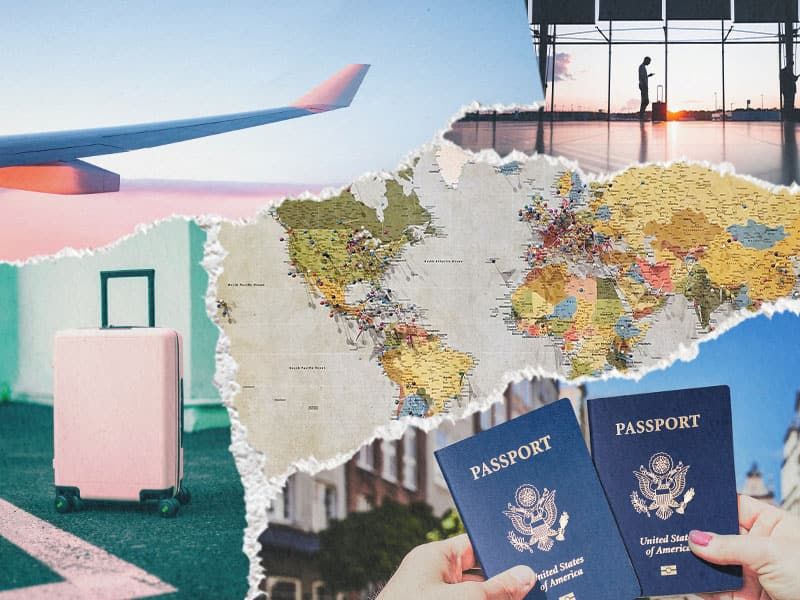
403, 470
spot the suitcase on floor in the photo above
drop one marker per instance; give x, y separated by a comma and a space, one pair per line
118, 411
659, 106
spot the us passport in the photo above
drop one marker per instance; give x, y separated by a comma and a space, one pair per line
528, 493
666, 463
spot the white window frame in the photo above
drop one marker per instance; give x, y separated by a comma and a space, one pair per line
362, 503
281, 510
272, 581
389, 449
288, 500
334, 509
366, 457
410, 482
315, 590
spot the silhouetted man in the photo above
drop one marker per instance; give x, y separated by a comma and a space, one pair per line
643, 86
788, 90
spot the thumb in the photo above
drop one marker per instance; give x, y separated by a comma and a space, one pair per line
512, 584
751, 551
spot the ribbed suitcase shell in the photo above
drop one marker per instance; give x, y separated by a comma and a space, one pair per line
117, 412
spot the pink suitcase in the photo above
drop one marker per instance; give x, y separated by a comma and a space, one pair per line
118, 411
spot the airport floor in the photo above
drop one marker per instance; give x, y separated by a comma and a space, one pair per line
199, 552
766, 150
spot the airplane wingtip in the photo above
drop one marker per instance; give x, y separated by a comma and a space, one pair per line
336, 92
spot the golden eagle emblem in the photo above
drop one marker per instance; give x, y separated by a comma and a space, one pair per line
661, 484
534, 516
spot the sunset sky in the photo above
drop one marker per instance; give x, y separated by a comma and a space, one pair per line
694, 70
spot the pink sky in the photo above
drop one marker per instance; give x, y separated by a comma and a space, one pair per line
35, 224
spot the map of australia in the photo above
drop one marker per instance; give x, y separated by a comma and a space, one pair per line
421, 292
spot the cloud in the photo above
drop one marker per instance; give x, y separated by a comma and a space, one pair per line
563, 63
631, 104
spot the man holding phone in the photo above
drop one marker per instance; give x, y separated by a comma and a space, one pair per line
643, 86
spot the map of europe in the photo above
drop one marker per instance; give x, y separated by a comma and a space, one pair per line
423, 292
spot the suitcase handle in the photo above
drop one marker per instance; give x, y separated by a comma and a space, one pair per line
659, 93
150, 274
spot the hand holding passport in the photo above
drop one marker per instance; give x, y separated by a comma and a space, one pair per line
528, 494
666, 463
614, 525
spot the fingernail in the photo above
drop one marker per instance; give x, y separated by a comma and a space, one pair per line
523, 574
701, 538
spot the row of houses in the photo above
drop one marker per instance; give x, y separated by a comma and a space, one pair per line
405, 471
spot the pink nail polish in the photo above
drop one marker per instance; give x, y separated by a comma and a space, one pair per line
701, 538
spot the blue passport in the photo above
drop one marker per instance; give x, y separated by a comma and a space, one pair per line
666, 463
528, 493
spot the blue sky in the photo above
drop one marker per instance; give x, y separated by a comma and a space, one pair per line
95, 63
758, 359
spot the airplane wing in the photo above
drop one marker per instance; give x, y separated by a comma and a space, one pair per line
49, 162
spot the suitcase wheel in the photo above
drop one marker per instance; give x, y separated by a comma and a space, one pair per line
168, 507
62, 504
184, 496
68, 503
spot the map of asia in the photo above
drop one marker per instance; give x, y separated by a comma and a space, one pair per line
422, 292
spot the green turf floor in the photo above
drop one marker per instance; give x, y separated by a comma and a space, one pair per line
19, 570
199, 552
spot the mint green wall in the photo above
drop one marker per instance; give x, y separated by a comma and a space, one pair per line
9, 329
204, 332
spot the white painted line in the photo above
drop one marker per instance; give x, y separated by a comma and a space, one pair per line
88, 571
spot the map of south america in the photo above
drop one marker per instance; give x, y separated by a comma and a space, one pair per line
423, 292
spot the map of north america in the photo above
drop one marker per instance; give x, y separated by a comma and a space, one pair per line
423, 292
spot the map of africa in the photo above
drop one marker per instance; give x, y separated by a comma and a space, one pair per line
422, 292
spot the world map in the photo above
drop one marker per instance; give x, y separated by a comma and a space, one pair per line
423, 292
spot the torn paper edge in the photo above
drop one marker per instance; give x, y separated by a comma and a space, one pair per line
70, 252
259, 488
249, 461
144, 227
